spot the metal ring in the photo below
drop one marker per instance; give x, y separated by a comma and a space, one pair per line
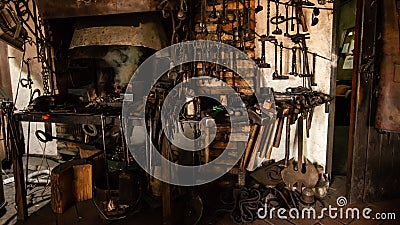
89, 129
43, 136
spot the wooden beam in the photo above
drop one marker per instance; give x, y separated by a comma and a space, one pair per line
361, 99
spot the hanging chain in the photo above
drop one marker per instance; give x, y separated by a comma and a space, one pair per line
45, 78
28, 18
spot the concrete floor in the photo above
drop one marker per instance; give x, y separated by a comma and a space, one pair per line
85, 213
38, 195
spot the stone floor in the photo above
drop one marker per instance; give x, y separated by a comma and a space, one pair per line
85, 213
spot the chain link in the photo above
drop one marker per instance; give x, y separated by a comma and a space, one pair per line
26, 15
45, 78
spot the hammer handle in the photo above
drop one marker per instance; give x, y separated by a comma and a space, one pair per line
300, 15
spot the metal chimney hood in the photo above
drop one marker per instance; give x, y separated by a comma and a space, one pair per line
50, 9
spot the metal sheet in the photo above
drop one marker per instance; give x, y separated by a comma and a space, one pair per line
76, 8
148, 34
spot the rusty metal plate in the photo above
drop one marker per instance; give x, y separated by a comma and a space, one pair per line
149, 33
118, 35
50, 9
307, 178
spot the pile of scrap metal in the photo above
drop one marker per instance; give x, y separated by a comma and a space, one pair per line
287, 183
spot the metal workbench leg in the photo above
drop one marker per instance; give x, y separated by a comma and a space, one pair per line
17, 149
20, 191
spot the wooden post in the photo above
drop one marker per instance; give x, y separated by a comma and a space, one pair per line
20, 192
83, 182
71, 182
166, 188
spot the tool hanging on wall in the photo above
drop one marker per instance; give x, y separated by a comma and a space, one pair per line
309, 117
279, 128
287, 19
276, 75
249, 32
281, 58
225, 12
203, 24
300, 173
250, 145
263, 64
300, 144
268, 17
292, 23
299, 100
287, 138
306, 66
294, 62
259, 8
300, 15
305, 71
297, 104
214, 14
315, 14
277, 30
314, 57
237, 35
300, 39
307, 3
231, 21
182, 10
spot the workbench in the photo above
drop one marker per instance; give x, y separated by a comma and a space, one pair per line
110, 117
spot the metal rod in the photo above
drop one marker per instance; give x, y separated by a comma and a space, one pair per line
105, 152
287, 141
268, 16
287, 20
300, 143
281, 59
27, 155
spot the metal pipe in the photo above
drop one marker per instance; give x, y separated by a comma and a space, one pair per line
105, 151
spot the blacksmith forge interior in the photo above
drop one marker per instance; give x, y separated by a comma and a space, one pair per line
200, 112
